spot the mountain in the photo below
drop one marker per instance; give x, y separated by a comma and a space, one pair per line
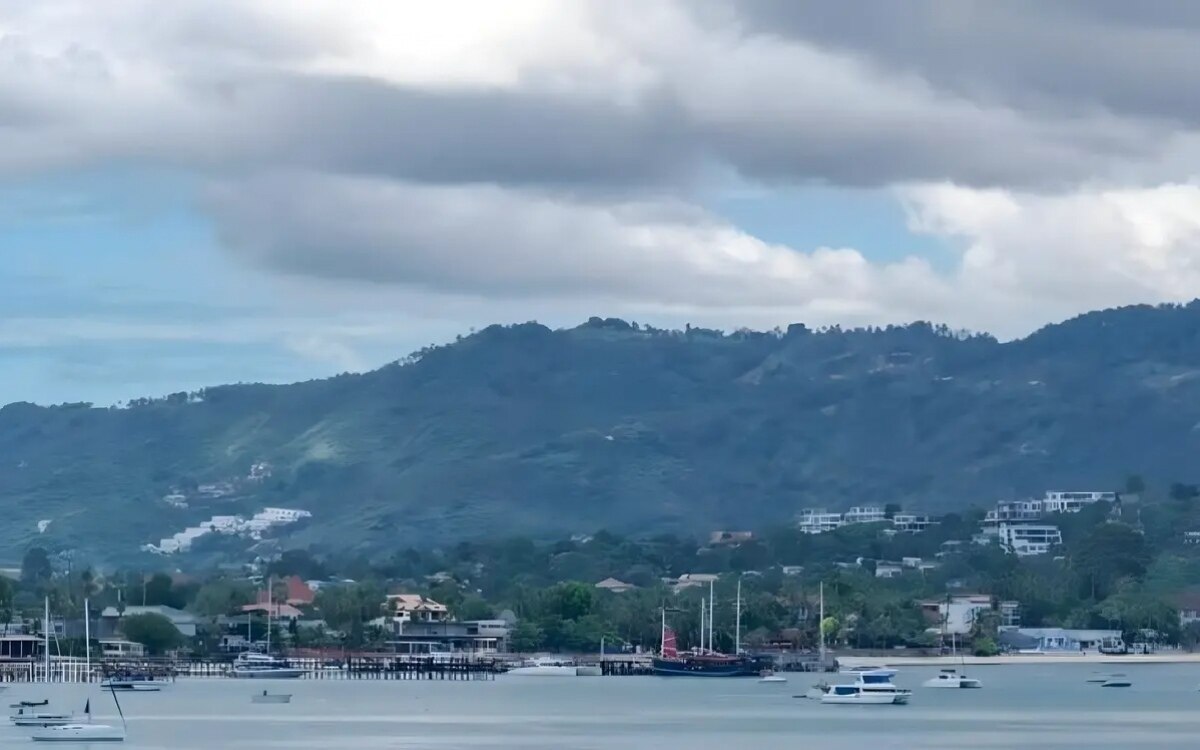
527, 430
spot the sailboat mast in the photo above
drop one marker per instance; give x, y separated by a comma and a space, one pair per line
87, 638
663, 642
46, 637
737, 628
703, 621
821, 625
712, 604
270, 598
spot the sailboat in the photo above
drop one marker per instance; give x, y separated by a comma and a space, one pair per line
706, 661
76, 731
27, 715
83, 731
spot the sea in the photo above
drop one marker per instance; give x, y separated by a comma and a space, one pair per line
1020, 706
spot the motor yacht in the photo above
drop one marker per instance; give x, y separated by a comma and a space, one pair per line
254, 666
949, 678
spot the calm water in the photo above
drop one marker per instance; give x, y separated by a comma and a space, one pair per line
1032, 706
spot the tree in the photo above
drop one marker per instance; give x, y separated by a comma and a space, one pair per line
6, 603
36, 570
1109, 552
525, 637
153, 631
570, 600
221, 598
159, 591
1134, 484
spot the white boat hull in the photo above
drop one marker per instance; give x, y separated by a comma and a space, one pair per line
271, 698
864, 699
773, 678
282, 673
544, 671
859, 671
965, 683
79, 733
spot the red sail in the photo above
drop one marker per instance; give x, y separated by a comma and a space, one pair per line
669, 651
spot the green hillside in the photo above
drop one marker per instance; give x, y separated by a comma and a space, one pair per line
524, 429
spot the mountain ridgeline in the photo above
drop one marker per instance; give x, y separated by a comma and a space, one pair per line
527, 430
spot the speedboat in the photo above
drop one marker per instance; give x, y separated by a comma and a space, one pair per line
545, 667
948, 678
79, 733
265, 697
1116, 681
768, 676
856, 671
251, 666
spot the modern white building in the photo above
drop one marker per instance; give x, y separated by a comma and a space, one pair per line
1014, 511
955, 615
888, 570
911, 523
1028, 539
818, 521
864, 514
1073, 502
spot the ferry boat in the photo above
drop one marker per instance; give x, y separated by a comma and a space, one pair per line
252, 666
948, 678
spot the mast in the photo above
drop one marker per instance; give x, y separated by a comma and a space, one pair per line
821, 625
737, 628
46, 637
270, 598
87, 638
663, 642
712, 604
703, 620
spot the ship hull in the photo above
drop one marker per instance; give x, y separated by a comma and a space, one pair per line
741, 667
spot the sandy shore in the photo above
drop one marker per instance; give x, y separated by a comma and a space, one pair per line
1171, 657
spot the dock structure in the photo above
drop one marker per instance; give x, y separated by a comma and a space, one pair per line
374, 667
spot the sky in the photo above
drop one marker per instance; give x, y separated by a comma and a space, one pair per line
210, 191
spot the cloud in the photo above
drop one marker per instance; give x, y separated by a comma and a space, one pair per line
546, 154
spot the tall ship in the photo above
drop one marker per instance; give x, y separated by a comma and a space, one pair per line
705, 661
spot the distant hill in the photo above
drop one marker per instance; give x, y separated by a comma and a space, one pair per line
527, 430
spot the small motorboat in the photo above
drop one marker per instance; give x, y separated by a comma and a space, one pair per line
1116, 681
265, 697
768, 676
26, 716
133, 684
949, 678
545, 667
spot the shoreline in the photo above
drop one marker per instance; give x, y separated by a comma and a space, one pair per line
1081, 658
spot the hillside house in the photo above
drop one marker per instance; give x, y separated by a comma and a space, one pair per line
616, 586
415, 608
729, 538
864, 514
1073, 502
1028, 539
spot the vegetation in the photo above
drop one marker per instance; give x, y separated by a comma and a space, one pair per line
523, 430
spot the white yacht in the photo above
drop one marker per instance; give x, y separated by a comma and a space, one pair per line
948, 678
253, 666
872, 688
546, 667
134, 684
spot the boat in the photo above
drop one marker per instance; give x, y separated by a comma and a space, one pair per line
27, 717
706, 661
948, 678
1116, 681
856, 671
816, 691
139, 683
848, 695
82, 731
266, 697
254, 666
768, 676
545, 666
870, 688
